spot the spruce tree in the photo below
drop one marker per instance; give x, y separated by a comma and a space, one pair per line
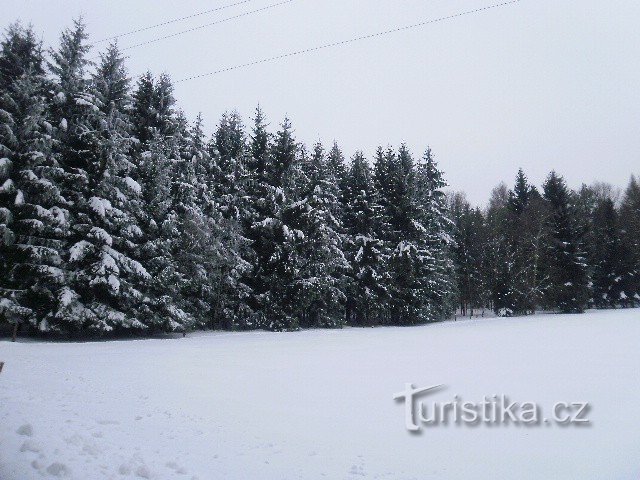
382, 169
159, 167
228, 151
322, 265
566, 288
409, 260
34, 219
607, 257
256, 218
525, 232
437, 228
630, 232
470, 251
367, 289
278, 262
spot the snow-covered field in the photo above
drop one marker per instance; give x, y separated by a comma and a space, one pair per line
318, 404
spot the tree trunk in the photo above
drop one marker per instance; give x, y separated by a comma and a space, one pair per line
15, 332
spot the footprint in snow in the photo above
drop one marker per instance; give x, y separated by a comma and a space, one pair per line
58, 470
25, 430
30, 446
143, 472
108, 422
175, 467
357, 470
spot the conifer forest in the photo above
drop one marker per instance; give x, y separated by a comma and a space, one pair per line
119, 215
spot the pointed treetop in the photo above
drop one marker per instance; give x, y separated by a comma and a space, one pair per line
20, 52
521, 194
111, 78
70, 60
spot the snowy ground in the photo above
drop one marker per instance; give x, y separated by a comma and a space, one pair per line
318, 404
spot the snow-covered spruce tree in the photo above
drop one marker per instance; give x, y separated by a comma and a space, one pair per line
33, 212
501, 265
190, 248
320, 276
607, 257
277, 252
211, 249
105, 282
525, 236
411, 263
402, 201
187, 230
367, 288
630, 230
165, 306
437, 227
336, 171
153, 112
383, 184
158, 164
143, 115
256, 218
228, 152
566, 288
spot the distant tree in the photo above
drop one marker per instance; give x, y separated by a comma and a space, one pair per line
630, 231
471, 243
607, 257
565, 259
526, 235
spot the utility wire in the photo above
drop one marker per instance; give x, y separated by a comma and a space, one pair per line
169, 22
345, 42
245, 14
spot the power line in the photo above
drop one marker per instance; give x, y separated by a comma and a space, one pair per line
168, 22
245, 14
345, 42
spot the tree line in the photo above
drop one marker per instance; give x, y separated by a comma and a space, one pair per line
554, 249
118, 214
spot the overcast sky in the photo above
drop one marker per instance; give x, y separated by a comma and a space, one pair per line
541, 84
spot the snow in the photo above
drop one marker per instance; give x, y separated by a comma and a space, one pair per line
8, 186
99, 205
133, 231
101, 235
133, 185
5, 165
86, 103
66, 296
114, 283
19, 201
107, 264
79, 250
318, 404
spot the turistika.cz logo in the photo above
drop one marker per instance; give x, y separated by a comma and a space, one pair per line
491, 410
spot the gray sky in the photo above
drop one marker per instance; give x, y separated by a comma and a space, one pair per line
541, 84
